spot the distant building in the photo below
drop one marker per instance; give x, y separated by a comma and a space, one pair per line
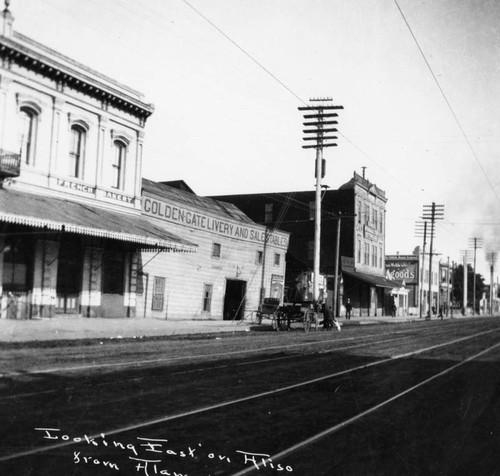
359, 207
445, 287
412, 272
237, 262
404, 270
70, 198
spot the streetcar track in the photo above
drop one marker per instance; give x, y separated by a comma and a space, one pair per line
329, 431
202, 369
115, 382
195, 357
277, 391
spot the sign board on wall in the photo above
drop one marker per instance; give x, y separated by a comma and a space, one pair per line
402, 269
194, 219
347, 263
277, 284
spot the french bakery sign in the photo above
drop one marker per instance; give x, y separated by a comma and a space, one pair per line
79, 187
184, 216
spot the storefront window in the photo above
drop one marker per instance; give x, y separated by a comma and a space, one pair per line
15, 266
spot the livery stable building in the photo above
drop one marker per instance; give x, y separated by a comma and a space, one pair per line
237, 261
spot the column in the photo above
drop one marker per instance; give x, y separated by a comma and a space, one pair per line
100, 155
130, 297
90, 297
138, 169
57, 111
45, 278
3, 302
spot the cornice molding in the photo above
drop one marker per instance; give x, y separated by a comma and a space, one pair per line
65, 75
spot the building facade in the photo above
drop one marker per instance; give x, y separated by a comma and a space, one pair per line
237, 264
355, 213
412, 272
404, 270
70, 198
445, 287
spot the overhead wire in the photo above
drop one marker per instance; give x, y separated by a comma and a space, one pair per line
267, 71
452, 111
154, 13
248, 55
455, 117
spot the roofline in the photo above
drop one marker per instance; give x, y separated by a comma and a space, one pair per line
37, 57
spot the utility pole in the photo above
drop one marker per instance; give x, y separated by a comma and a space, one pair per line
320, 122
337, 253
432, 212
448, 285
421, 231
492, 257
453, 271
465, 280
476, 243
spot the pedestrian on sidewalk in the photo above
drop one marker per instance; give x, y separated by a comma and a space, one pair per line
348, 309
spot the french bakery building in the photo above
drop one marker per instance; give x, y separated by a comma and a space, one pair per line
71, 227
237, 261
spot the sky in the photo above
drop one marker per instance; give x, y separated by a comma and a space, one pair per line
419, 82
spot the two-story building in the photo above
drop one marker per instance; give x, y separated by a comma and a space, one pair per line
70, 198
352, 216
238, 262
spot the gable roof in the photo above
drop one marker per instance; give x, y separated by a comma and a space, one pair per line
216, 207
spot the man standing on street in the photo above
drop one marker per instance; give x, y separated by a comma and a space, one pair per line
348, 309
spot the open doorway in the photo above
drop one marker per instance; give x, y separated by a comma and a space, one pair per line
69, 277
234, 299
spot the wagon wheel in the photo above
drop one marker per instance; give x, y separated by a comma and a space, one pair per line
259, 317
307, 322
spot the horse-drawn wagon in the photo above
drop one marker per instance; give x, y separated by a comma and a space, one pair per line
302, 312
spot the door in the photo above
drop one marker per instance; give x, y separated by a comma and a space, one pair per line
234, 299
113, 284
69, 278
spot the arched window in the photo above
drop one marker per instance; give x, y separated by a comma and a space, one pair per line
29, 119
118, 163
76, 151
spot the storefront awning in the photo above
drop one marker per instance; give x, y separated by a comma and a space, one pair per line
378, 281
69, 216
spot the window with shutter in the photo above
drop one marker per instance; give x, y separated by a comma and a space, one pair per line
158, 294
